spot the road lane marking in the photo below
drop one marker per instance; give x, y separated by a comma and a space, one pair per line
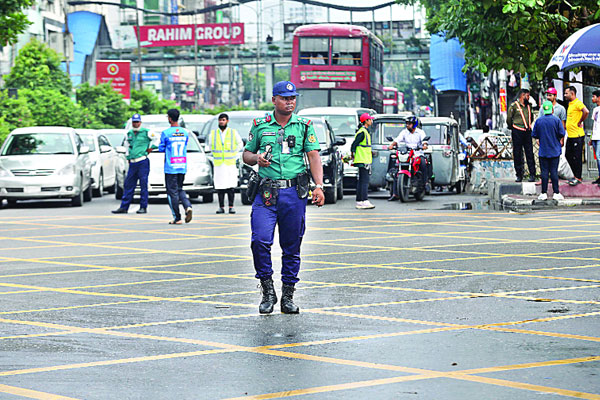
31, 394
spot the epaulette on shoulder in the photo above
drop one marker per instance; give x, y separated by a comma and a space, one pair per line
305, 121
259, 121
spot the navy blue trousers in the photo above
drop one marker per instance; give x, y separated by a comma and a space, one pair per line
137, 172
289, 214
549, 165
175, 194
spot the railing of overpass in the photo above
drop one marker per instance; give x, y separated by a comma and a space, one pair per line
401, 50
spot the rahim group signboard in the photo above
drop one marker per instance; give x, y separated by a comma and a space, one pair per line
183, 35
118, 73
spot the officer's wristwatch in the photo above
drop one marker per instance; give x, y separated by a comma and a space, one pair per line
319, 187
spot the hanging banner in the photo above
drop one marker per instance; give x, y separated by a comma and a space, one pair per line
182, 35
117, 73
503, 100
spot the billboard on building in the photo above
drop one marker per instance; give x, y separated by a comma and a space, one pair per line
182, 35
117, 73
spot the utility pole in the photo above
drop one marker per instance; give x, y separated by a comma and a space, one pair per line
66, 39
231, 103
139, 49
259, 15
197, 88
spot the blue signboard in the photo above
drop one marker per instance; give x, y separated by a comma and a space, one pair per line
148, 76
174, 9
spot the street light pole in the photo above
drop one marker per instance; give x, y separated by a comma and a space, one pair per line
259, 15
139, 49
229, 54
197, 88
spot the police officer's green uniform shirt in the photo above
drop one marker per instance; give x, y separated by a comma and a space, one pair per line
283, 166
139, 142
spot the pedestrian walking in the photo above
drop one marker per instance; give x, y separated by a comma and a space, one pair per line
519, 120
550, 133
559, 110
225, 143
173, 142
363, 158
278, 143
595, 142
140, 142
576, 114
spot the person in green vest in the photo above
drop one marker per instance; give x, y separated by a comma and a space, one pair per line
363, 157
225, 144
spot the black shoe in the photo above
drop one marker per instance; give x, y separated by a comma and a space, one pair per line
597, 181
231, 210
532, 179
141, 211
287, 300
119, 211
519, 179
393, 198
220, 211
269, 298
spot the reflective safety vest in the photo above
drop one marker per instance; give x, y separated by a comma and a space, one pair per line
224, 152
363, 150
527, 125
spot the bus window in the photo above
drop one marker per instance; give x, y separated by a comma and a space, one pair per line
312, 98
314, 51
346, 98
346, 51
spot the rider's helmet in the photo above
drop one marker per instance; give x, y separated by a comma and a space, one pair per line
413, 120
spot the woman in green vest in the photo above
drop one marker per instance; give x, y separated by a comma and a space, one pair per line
361, 152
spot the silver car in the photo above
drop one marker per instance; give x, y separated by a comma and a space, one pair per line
104, 160
117, 138
45, 162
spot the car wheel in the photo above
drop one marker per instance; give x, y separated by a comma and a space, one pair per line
330, 195
111, 189
77, 201
403, 187
458, 187
119, 193
98, 192
193, 195
87, 193
340, 190
208, 198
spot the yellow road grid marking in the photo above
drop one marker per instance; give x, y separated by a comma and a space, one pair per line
31, 394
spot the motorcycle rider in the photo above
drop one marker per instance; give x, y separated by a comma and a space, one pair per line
414, 138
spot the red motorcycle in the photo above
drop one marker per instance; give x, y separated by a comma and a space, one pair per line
410, 175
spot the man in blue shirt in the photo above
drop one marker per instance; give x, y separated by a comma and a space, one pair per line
550, 133
173, 142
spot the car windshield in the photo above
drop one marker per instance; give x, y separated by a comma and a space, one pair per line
342, 125
193, 146
239, 123
195, 126
115, 139
321, 131
89, 141
39, 143
392, 129
437, 132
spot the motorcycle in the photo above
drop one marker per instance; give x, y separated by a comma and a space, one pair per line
408, 173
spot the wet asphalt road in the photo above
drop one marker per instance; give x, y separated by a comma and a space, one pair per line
412, 301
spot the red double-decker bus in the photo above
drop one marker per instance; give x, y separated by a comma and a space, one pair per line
337, 65
390, 100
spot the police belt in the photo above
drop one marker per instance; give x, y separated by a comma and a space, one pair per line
286, 183
135, 160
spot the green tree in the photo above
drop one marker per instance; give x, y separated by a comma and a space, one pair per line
51, 107
104, 103
519, 35
15, 112
146, 101
12, 20
37, 66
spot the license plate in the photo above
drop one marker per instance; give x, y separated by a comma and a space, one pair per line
32, 189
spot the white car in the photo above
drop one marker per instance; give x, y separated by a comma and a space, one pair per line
117, 137
344, 122
104, 160
45, 162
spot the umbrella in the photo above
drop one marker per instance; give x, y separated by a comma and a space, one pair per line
580, 49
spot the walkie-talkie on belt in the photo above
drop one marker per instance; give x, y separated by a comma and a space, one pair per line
268, 153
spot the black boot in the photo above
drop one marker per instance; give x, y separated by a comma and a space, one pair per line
287, 300
269, 298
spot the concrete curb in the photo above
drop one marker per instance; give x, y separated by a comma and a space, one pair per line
514, 202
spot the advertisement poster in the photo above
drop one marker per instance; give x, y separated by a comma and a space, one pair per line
182, 35
503, 100
118, 73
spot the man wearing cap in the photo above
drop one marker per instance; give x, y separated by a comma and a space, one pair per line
140, 142
519, 119
550, 134
576, 114
559, 111
363, 159
278, 143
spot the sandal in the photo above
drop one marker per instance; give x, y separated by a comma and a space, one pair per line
175, 222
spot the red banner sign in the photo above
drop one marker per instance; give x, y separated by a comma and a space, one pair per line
118, 73
182, 35
503, 100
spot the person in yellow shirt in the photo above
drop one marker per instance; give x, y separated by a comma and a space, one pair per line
576, 114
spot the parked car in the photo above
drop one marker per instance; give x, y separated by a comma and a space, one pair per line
198, 179
104, 160
43, 163
196, 122
331, 158
242, 122
117, 138
344, 121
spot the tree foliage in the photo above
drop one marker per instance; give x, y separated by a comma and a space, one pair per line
37, 66
146, 101
50, 107
104, 103
519, 35
12, 20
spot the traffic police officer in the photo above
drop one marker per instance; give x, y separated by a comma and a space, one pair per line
277, 143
